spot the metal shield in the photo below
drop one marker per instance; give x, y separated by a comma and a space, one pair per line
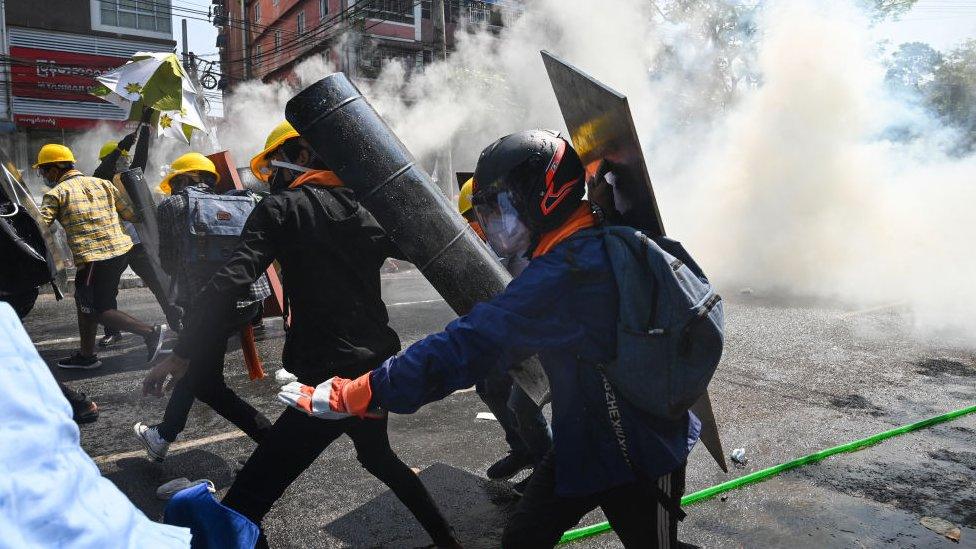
601, 128
59, 255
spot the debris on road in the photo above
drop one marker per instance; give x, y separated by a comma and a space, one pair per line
738, 456
942, 527
487, 416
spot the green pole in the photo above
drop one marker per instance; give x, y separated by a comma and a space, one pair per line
763, 474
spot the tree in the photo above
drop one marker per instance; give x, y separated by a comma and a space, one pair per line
884, 9
913, 67
953, 92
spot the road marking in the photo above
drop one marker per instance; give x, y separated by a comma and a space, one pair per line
176, 446
415, 302
876, 309
56, 341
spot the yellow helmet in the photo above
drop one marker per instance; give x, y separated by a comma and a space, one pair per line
189, 162
52, 153
107, 149
281, 133
464, 199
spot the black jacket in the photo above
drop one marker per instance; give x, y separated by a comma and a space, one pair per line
330, 250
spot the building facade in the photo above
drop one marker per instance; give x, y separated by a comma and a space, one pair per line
53, 55
266, 38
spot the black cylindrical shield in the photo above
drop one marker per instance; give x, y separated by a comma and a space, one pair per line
142, 201
345, 130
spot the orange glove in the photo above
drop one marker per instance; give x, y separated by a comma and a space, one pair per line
336, 398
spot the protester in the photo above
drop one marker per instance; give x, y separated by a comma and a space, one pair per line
89, 209
331, 251
609, 453
526, 430
191, 249
114, 158
52, 494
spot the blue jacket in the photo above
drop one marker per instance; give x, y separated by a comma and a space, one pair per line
563, 307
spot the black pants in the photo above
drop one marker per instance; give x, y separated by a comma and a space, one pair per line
296, 440
204, 381
634, 511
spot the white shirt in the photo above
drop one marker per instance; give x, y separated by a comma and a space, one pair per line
51, 492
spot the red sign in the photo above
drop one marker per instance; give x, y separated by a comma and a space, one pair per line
43, 122
52, 74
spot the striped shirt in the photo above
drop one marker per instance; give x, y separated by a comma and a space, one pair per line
89, 210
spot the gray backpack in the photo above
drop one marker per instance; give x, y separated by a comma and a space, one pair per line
670, 326
214, 226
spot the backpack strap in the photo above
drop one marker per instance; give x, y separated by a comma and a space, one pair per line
671, 503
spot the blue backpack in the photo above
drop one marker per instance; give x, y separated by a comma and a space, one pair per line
670, 326
214, 226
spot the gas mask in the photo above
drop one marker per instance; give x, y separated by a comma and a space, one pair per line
505, 232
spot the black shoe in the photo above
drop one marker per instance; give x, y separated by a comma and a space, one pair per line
84, 410
519, 487
154, 342
110, 339
509, 466
79, 362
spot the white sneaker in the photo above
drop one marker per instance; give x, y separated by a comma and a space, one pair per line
171, 488
151, 440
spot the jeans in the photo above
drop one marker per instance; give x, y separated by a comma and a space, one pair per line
635, 511
526, 430
296, 440
204, 381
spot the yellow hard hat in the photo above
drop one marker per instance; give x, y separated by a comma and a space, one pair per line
52, 153
464, 199
189, 162
281, 133
107, 149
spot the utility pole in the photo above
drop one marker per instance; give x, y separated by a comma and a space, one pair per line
245, 40
440, 29
444, 169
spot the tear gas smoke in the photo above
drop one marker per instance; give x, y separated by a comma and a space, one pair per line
764, 147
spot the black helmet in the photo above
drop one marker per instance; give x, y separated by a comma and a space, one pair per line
540, 170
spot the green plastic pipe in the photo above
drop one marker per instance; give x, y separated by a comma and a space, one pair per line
763, 474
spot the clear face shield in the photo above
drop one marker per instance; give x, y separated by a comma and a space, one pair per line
505, 232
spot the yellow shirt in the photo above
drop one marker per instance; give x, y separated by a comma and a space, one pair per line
89, 209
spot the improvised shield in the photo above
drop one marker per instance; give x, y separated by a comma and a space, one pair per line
230, 179
54, 247
134, 183
345, 130
602, 128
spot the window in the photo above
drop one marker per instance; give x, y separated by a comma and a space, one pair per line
301, 23
150, 17
257, 12
425, 9
323, 9
400, 11
274, 2
257, 55
277, 39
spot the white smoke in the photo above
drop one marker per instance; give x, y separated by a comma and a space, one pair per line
778, 182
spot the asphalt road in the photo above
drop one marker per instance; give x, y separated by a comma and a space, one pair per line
798, 376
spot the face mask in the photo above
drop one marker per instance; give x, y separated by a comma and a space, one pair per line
505, 232
284, 173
